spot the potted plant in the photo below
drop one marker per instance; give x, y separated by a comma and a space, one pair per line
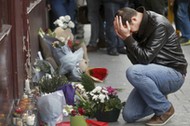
106, 103
102, 103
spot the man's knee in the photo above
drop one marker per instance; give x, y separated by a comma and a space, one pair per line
133, 73
128, 116
130, 71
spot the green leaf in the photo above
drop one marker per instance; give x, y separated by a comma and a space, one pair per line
87, 82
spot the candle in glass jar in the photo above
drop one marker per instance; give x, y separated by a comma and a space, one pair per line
30, 120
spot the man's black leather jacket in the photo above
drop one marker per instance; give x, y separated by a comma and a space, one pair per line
156, 42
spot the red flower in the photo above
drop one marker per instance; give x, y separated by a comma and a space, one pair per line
99, 73
70, 43
73, 112
81, 111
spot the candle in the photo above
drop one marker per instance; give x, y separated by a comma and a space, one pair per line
27, 85
40, 55
25, 96
30, 120
24, 117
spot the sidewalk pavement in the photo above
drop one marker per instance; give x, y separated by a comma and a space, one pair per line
117, 66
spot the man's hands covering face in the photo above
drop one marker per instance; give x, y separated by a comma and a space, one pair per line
123, 31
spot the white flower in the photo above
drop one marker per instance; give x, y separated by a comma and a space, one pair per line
80, 86
58, 22
95, 97
67, 18
64, 22
68, 109
65, 113
102, 98
97, 89
62, 18
71, 24
91, 93
64, 26
104, 91
48, 75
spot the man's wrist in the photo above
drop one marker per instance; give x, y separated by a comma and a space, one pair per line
127, 36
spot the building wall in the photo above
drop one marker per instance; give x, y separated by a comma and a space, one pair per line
19, 24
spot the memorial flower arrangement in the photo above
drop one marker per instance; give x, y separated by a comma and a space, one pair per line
97, 74
104, 98
99, 99
62, 33
73, 110
51, 82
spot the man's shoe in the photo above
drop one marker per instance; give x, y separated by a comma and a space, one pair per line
182, 40
113, 53
162, 119
91, 48
101, 44
121, 50
186, 43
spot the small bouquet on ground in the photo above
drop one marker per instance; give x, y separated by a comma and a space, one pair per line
76, 115
97, 74
82, 100
106, 103
104, 98
73, 110
51, 82
99, 99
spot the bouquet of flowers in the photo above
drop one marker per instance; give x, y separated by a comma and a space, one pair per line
51, 82
99, 99
97, 74
76, 115
64, 22
73, 110
62, 33
104, 98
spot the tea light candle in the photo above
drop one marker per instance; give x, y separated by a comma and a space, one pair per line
25, 96
24, 117
30, 120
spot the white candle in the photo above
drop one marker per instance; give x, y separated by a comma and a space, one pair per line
27, 85
30, 120
40, 55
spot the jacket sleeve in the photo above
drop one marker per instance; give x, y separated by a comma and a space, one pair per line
145, 52
131, 57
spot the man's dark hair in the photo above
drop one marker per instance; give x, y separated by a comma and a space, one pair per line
126, 14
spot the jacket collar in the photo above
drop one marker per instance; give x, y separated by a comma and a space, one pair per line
144, 23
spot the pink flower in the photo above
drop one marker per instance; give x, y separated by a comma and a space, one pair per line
111, 91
